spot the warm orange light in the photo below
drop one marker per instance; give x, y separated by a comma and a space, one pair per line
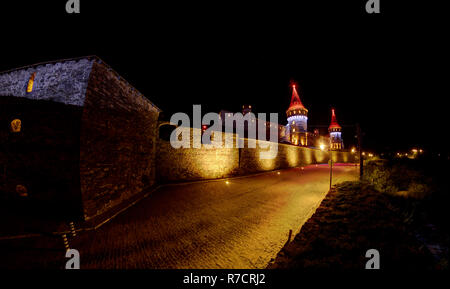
21, 191
31, 83
16, 125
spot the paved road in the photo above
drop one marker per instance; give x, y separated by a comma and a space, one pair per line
242, 224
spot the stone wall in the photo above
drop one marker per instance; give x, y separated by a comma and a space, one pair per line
187, 164
184, 164
63, 82
90, 141
43, 157
117, 142
88, 138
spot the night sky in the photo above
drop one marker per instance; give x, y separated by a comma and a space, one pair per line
386, 72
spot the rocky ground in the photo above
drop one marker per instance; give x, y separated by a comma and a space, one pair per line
352, 219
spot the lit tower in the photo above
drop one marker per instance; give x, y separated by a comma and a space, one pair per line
297, 117
335, 131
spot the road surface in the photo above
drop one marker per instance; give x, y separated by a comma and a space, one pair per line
240, 224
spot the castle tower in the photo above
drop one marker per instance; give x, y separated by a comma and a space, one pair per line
335, 131
297, 117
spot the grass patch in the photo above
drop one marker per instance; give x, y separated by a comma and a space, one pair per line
353, 218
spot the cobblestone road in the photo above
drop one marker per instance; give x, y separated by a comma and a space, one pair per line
242, 224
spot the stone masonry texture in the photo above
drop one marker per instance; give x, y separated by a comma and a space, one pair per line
118, 131
64, 82
90, 141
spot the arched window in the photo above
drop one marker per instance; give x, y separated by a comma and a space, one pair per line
31, 82
16, 125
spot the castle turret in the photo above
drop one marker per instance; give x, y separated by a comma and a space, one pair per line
297, 117
335, 131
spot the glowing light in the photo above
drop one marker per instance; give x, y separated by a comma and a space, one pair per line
227, 182
421, 151
278, 173
16, 125
414, 150
370, 155
322, 146
363, 153
21, 191
31, 83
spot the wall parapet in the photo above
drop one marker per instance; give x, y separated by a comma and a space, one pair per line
208, 162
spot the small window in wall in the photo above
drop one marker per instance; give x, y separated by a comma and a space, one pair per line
31, 83
22, 191
16, 125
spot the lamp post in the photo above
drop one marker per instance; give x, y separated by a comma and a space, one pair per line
331, 167
330, 162
361, 163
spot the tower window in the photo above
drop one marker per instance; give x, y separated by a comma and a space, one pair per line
31, 82
21, 191
16, 125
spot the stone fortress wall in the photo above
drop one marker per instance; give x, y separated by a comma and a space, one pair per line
108, 133
189, 164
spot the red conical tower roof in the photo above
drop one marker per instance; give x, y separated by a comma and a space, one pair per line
334, 123
296, 103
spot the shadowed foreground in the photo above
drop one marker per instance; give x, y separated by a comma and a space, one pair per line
242, 224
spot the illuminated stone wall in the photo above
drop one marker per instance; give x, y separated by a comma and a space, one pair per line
89, 140
186, 164
183, 164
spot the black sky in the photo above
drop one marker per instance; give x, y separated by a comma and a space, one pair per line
387, 72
